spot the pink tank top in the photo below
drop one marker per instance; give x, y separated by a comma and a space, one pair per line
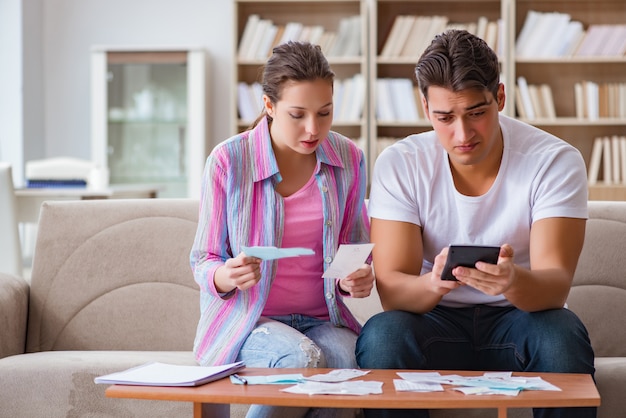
299, 287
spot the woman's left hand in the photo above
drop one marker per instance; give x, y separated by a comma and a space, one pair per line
360, 283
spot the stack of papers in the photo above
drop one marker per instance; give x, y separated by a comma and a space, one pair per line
357, 387
490, 383
160, 374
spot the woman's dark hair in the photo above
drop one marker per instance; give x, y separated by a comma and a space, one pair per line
293, 61
457, 60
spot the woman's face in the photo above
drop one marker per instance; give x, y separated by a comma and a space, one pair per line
302, 117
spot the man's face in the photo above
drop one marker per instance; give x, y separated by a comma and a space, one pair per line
466, 123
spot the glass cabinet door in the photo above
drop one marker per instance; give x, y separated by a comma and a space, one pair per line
145, 136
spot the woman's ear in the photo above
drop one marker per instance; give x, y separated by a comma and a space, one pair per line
268, 105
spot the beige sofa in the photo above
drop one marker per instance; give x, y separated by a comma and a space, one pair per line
111, 288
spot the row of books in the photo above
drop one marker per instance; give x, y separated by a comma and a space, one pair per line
348, 99
592, 100
600, 100
555, 34
607, 164
260, 36
534, 101
398, 100
410, 35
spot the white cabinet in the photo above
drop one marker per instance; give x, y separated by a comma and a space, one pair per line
148, 116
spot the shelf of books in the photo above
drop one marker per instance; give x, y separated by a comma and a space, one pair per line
339, 27
400, 31
563, 65
570, 79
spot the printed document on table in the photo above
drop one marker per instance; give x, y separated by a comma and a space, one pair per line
489, 383
348, 259
353, 387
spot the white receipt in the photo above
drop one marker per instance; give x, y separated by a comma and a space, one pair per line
348, 259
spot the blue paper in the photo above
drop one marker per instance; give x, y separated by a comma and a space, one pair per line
276, 379
272, 253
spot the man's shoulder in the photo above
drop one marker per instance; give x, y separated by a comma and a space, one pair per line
529, 139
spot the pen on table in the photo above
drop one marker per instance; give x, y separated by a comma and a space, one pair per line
240, 379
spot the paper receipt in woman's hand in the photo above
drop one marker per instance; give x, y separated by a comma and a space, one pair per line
348, 259
272, 253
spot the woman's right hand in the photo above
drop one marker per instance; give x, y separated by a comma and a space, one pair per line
241, 272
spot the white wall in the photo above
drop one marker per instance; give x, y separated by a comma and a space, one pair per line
70, 27
11, 115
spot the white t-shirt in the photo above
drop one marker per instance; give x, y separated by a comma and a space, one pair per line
541, 176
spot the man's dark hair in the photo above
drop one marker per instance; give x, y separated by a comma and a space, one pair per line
457, 60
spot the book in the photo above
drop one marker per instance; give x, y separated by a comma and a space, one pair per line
342, 108
265, 45
403, 35
50, 183
536, 101
392, 37
548, 101
595, 38
615, 154
261, 27
416, 39
525, 96
292, 32
579, 100
384, 101
481, 27
352, 47
491, 35
594, 161
591, 91
574, 33
245, 105
161, 374
607, 160
403, 100
622, 153
353, 111
246, 36
523, 42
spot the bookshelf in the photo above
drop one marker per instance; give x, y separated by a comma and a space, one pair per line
343, 25
385, 66
563, 73
382, 122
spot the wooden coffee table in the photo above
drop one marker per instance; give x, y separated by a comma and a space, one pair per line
577, 390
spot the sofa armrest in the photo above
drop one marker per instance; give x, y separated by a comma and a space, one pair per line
14, 293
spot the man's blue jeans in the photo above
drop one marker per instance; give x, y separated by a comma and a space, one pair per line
478, 338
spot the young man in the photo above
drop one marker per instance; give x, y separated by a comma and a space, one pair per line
479, 178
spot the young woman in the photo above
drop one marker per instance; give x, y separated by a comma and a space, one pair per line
287, 182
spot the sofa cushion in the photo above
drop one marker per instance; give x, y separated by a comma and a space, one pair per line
61, 383
598, 294
114, 275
